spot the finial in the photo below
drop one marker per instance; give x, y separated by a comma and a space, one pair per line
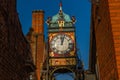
73, 19
48, 20
60, 5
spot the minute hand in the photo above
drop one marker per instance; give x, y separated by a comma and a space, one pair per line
62, 40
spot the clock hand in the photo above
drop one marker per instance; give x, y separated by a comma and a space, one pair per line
62, 39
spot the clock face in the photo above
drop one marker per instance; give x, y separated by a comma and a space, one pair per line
61, 44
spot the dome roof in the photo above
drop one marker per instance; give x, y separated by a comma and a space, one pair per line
62, 16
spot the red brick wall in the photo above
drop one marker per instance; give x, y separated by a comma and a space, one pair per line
36, 39
14, 48
104, 35
114, 8
37, 21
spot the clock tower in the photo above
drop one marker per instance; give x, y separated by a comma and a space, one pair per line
62, 56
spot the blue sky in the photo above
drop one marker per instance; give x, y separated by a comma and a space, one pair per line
81, 9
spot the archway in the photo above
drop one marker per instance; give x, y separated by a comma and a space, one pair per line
62, 73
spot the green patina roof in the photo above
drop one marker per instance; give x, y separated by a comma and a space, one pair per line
56, 17
61, 16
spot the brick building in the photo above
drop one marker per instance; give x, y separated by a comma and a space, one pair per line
15, 55
105, 39
35, 37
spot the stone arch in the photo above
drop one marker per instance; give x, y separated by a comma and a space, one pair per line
62, 69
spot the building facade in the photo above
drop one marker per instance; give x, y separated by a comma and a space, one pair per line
15, 55
35, 38
105, 39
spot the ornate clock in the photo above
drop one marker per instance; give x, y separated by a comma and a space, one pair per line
61, 44
61, 47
